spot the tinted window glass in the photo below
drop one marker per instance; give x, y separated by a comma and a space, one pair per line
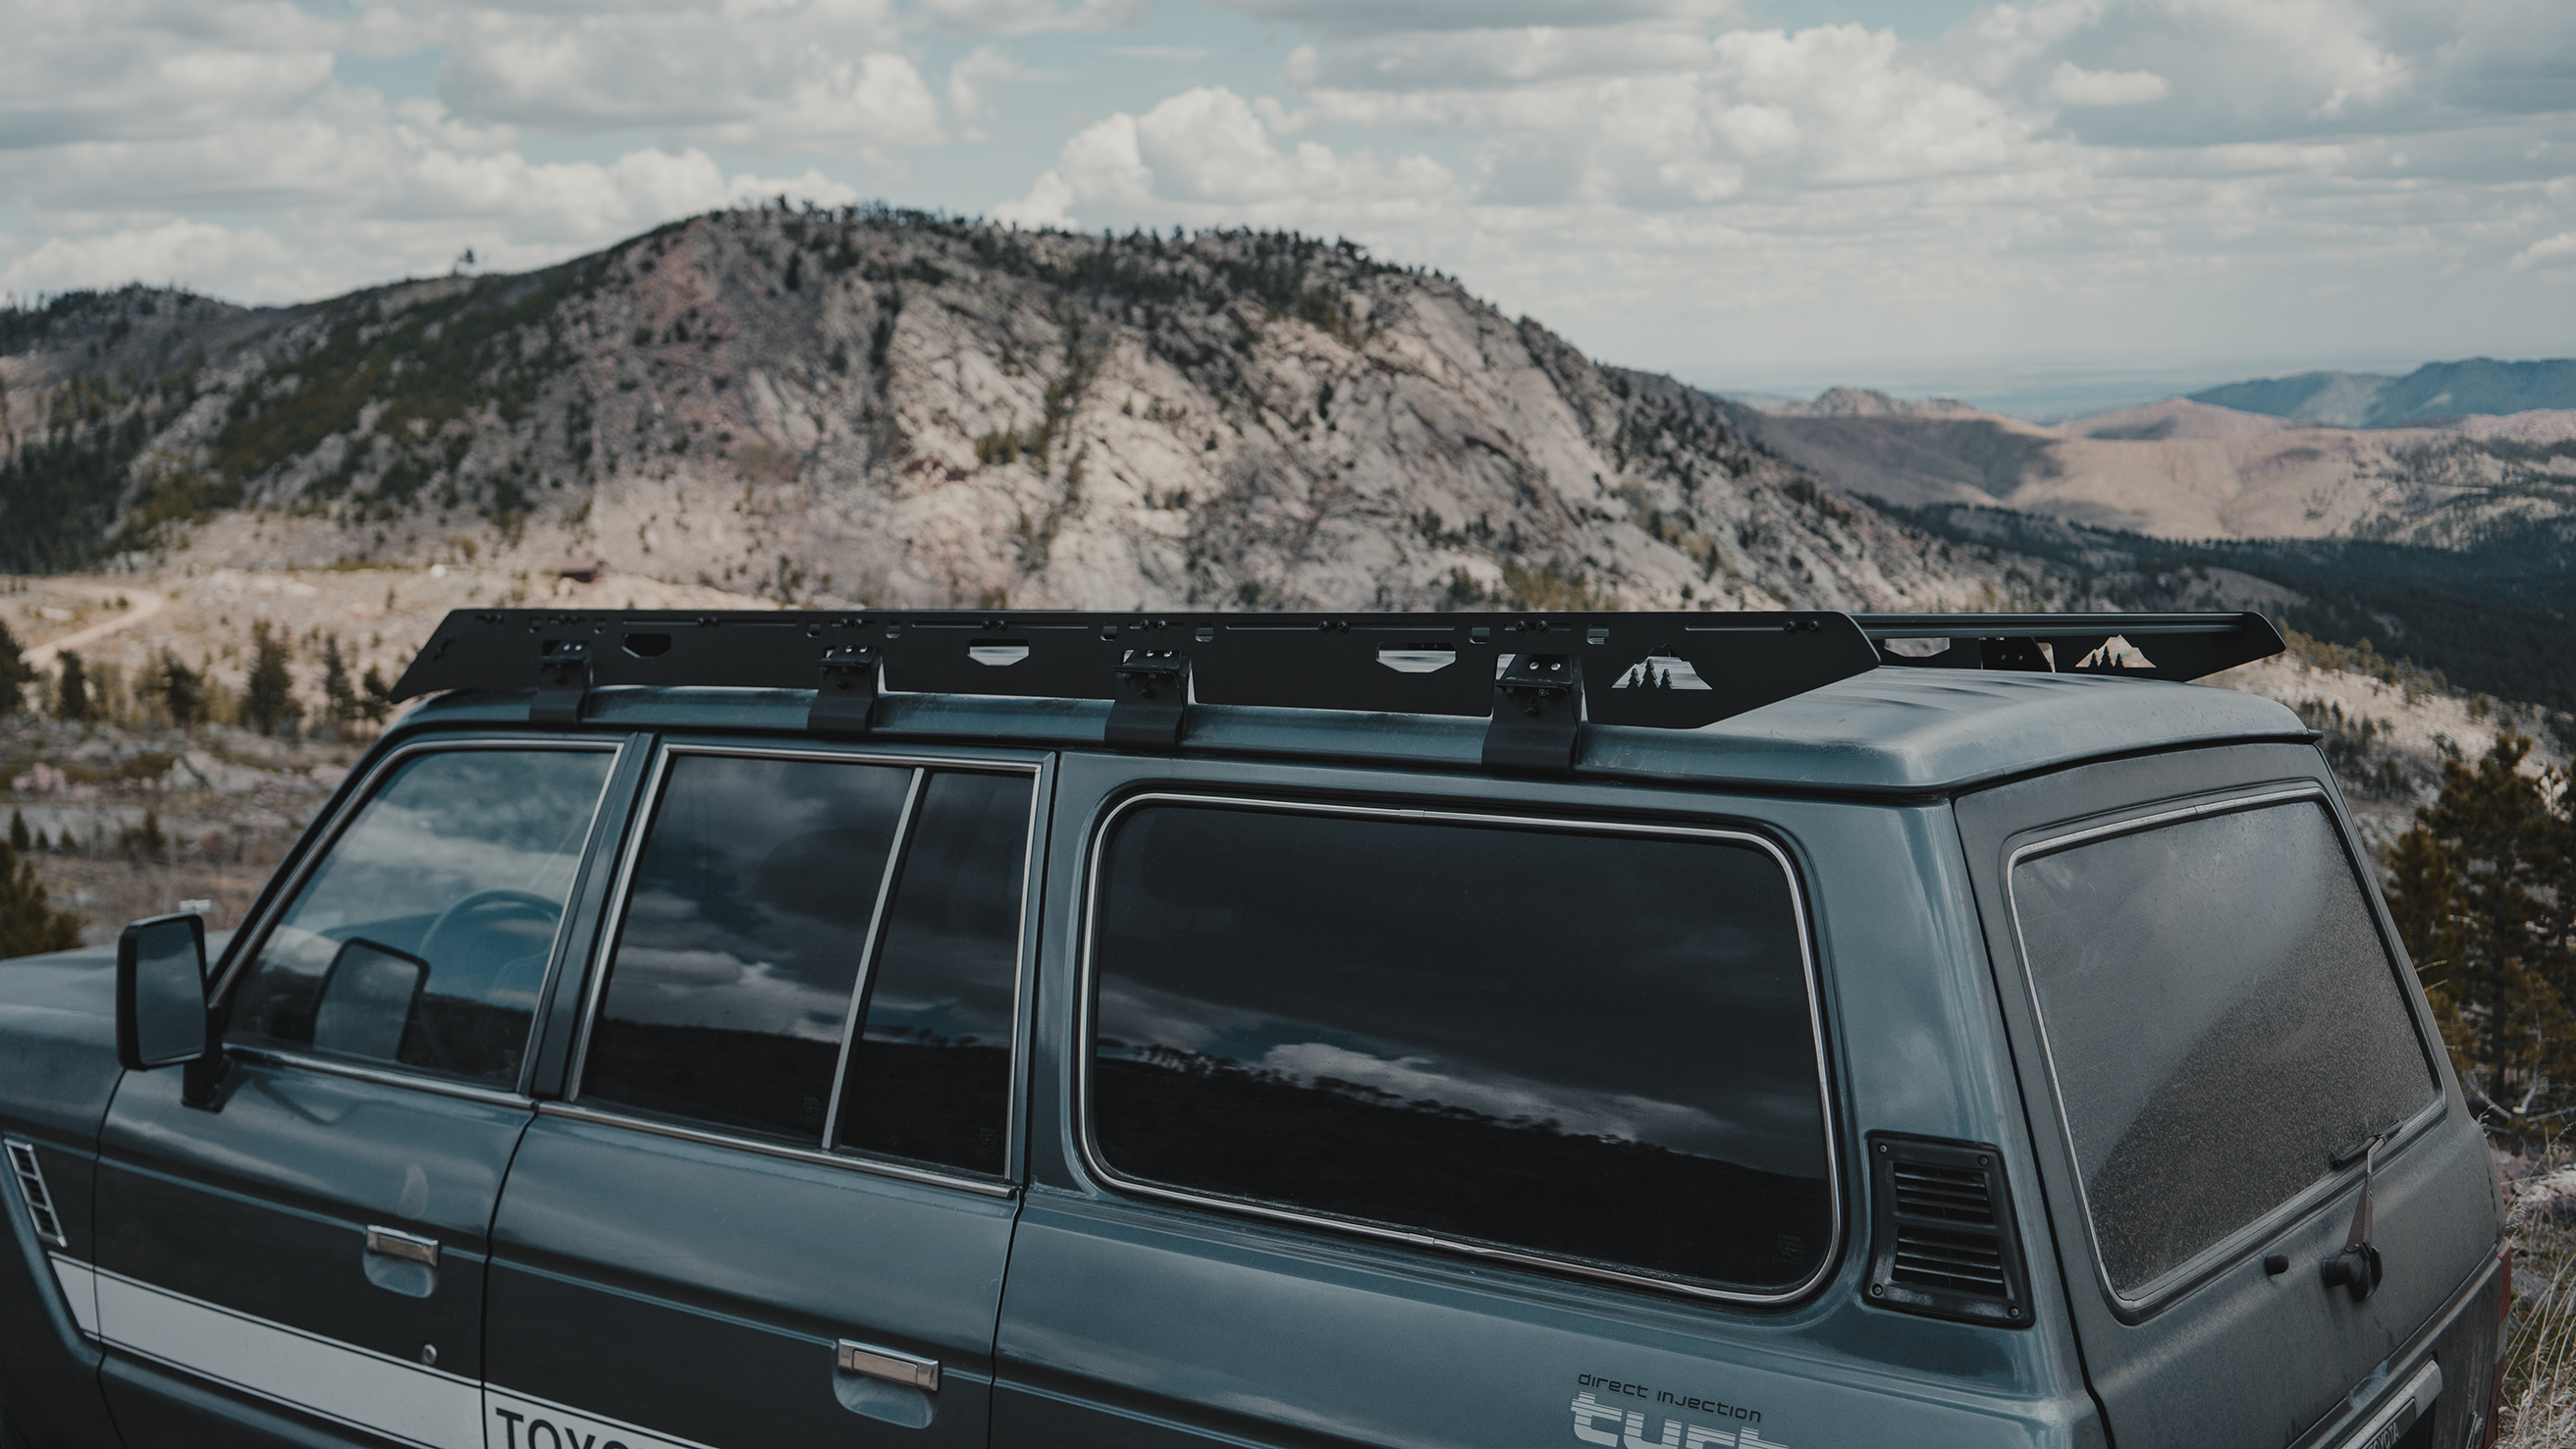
1584, 1046
2223, 1019
421, 940
930, 1077
745, 925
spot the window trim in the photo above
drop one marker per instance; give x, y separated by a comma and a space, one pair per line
877, 1166
2189, 1273
393, 1073
613, 929
1086, 1030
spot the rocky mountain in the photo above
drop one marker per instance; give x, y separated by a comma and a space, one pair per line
2186, 469
883, 408
2437, 390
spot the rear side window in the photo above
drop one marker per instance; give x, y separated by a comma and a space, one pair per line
776, 905
1589, 1047
930, 1075
745, 926
2224, 1022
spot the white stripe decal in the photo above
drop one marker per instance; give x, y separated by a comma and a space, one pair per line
519, 1422
355, 1386
80, 1291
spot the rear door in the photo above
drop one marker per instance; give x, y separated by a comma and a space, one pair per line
303, 1259
777, 1205
1386, 1109
2213, 1027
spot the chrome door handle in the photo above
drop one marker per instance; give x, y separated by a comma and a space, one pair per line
411, 1247
910, 1370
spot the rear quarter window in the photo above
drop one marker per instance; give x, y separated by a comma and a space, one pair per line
1592, 1047
2224, 1022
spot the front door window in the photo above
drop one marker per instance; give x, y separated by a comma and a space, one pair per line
421, 940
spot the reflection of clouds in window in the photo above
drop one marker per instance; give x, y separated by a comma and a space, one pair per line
1138, 1015
718, 989
1620, 1116
393, 863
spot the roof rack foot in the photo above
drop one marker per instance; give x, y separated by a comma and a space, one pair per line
845, 698
1538, 715
1152, 701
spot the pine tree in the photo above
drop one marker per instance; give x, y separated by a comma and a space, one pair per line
269, 699
19, 840
28, 921
2481, 889
342, 700
183, 690
15, 674
71, 698
378, 699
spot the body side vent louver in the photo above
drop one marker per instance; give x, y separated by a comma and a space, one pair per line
32, 1191
1943, 1241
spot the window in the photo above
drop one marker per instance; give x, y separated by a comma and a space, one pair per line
421, 939
745, 957
930, 1076
745, 926
1594, 1047
2223, 1019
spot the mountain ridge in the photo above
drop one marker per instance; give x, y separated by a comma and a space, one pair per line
2477, 386
877, 407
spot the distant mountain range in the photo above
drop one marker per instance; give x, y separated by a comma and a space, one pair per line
2186, 469
2437, 390
2448, 540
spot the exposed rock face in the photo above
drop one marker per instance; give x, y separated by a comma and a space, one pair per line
904, 411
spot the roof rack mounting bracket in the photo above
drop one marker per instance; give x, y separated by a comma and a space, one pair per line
1538, 715
563, 681
845, 697
1152, 702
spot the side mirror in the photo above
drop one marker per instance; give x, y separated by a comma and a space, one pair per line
161, 1017
367, 1000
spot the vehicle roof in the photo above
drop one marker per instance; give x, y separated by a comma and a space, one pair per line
1901, 730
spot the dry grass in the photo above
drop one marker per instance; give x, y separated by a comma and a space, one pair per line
2539, 1410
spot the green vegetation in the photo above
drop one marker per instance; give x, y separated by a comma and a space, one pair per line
268, 696
15, 674
28, 921
2483, 890
71, 690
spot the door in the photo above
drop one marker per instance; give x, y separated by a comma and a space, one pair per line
1394, 1113
777, 1207
2222, 1053
302, 1260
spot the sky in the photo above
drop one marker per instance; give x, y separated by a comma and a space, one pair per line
2056, 204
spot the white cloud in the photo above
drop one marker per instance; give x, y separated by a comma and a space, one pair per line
174, 250
2556, 251
1029, 17
969, 80
2073, 85
788, 74
1205, 154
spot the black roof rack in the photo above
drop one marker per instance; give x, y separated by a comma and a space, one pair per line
1667, 670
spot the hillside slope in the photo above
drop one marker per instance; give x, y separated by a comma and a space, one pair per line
2437, 390
892, 409
2184, 469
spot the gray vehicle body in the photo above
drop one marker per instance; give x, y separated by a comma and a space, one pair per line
601, 1281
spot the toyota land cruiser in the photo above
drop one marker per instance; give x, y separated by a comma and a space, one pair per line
1656, 1030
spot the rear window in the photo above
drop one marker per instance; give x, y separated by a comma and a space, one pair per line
2224, 1022
1595, 1048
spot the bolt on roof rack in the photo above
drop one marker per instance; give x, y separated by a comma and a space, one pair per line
1538, 677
